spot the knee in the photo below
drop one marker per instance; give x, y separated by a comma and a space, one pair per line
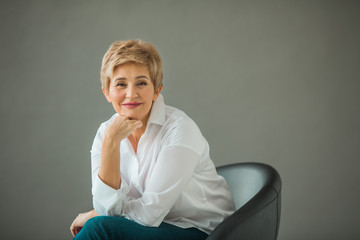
95, 223
93, 228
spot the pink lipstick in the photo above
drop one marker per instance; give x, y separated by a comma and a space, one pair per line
131, 104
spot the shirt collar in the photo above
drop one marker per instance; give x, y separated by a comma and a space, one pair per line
157, 115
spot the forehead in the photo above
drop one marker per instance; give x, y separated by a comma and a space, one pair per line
131, 69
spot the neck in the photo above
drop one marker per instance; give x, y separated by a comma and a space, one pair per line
136, 135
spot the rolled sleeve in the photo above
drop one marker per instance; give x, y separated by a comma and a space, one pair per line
173, 169
107, 200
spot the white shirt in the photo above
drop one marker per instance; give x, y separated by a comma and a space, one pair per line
170, 179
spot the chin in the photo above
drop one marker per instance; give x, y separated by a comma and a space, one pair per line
131, 116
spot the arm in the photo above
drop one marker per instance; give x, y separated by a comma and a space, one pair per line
175, 165
172, 172
105, 165
109, 171
120, 128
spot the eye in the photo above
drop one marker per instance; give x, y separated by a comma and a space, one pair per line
121, 84
142, 84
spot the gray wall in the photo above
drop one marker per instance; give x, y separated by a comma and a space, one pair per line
271, 81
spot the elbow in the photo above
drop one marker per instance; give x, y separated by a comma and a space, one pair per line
114, 210
99, 208
151, 218
154, 222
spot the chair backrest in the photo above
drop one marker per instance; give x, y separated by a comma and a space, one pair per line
245, 180
256, 190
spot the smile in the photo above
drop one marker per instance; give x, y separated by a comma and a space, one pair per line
131, 104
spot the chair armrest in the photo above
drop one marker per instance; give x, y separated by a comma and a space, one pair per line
257, 219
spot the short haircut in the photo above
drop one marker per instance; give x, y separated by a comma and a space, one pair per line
131, 51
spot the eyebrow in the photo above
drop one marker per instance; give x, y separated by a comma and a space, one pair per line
141, 76
138, 77
119, 79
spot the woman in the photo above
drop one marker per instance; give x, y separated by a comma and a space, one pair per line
152, 177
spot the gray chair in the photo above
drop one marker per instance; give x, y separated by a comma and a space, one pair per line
256, 189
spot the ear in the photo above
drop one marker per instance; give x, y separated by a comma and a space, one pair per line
106, 95
157, 93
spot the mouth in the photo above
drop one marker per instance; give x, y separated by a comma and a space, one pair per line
131, 104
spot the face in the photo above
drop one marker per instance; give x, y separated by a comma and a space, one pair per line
132, 92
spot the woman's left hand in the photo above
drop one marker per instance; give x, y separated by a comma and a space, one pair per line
80, 221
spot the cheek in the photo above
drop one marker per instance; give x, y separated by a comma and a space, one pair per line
148, 94
117, 96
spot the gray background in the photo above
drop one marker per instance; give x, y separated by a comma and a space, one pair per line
268, 81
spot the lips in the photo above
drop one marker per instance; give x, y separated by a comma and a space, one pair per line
131, 104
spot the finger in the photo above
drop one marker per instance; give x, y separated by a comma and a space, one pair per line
119, 119
134, 125
77, 230
137, 124
72, 229
72, 232
122, 118
128, 120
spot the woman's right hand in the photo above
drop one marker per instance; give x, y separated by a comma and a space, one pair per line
80, 221
121, 127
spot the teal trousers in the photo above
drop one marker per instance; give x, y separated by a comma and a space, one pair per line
119, 228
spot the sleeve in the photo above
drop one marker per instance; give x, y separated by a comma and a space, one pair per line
173, 169
175, 165
106, 200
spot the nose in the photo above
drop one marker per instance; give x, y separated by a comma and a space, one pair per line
131, 91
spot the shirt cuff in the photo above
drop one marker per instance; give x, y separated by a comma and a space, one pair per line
107, 200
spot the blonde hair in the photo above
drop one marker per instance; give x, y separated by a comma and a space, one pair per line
135, 51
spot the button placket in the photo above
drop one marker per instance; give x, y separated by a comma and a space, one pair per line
135, 173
